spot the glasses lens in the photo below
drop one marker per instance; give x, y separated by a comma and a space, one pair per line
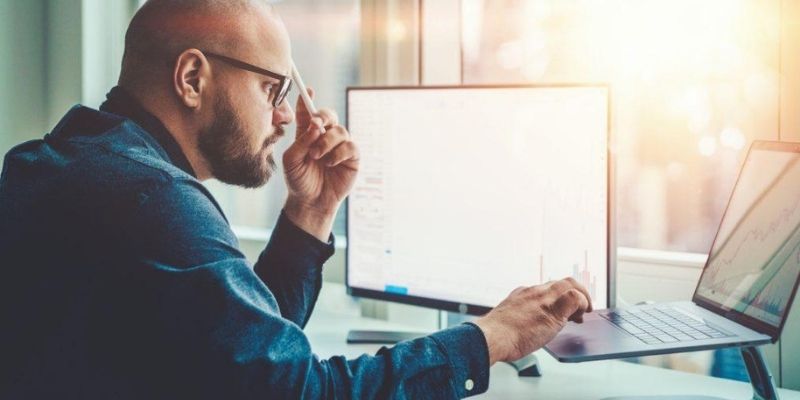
287, 84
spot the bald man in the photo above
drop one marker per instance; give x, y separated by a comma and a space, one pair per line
122, 278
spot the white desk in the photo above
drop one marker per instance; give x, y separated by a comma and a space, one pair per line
335, 315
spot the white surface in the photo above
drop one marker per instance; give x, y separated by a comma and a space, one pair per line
524, 168
336, 314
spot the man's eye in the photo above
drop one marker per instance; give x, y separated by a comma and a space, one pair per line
268, 87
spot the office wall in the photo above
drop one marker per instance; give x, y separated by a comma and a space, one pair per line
22, 71
63, 55
790, 71
84, 46
55, 54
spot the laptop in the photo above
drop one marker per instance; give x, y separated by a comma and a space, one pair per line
747, 286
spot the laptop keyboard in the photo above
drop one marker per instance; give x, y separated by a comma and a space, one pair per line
662, 325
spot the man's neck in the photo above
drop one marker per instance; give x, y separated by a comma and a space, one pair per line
187, 141
164, 123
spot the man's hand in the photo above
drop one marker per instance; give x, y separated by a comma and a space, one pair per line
320, 170
532, 316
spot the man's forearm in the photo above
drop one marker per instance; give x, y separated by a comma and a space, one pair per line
316, 222
291, 267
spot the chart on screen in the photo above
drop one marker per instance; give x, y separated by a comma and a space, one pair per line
755, 261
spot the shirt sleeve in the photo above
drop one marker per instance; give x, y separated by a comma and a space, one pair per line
205, 326
291, 267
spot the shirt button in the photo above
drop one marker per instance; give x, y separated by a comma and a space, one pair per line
469, 384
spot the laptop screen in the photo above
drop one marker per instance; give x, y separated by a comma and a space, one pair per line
754, 263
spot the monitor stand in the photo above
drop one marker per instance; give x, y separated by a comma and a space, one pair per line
757, 370
527, 366
381, 337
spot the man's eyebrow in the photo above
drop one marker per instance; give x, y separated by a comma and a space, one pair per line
270, 80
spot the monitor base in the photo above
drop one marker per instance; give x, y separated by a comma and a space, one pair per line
527, 366
381, 337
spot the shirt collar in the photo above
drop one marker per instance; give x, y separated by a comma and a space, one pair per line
120, 102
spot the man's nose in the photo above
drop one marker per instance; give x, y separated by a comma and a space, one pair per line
283, 114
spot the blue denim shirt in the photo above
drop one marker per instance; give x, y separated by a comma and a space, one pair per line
122, 280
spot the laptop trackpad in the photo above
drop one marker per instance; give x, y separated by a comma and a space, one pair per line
595, 336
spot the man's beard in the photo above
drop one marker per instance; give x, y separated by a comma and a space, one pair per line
226, 146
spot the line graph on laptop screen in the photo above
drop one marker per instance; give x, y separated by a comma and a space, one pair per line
464, 194
755, 260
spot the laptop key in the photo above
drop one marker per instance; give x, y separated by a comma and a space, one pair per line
654, 326
705, 328
699, 336
649, 339
666, 338
630, 328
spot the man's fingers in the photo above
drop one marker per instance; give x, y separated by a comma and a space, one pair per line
316, 123
583, 290
571, 305
570, 283
325, 143
517, 290
329, 117
301, 146
345, 151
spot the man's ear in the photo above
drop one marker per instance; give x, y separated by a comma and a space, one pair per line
190, 77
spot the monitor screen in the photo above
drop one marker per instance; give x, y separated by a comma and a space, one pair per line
465, 193
754, 262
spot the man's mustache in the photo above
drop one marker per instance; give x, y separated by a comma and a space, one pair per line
272, 139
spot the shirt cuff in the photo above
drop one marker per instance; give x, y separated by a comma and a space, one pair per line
468, 354
291, 242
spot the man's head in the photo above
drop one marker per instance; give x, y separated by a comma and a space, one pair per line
221, 114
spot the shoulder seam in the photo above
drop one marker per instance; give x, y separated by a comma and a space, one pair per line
197, 185
164, 173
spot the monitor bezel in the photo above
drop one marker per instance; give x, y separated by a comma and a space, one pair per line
737, 316
473, 309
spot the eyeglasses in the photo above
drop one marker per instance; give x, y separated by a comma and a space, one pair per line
283, 87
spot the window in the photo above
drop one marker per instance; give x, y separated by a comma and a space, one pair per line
692, 83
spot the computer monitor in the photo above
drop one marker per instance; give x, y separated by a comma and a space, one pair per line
465, 193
